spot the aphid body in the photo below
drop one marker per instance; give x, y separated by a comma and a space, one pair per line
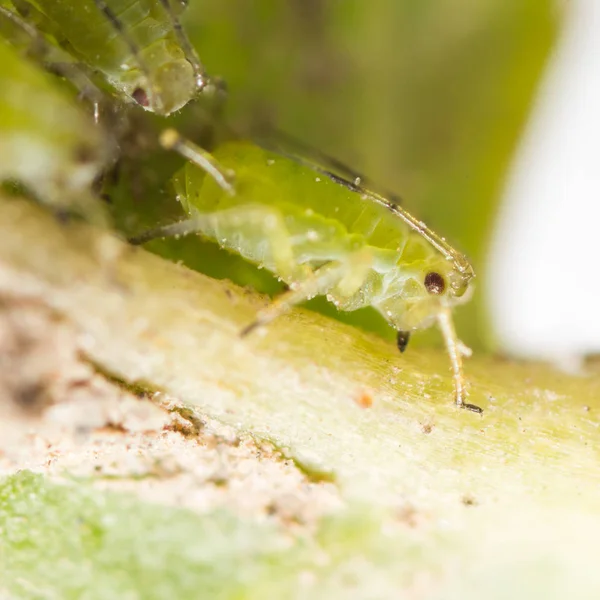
323, 235
46, 141
137, 45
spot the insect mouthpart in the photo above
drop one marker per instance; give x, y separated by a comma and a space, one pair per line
461, 284
402, 339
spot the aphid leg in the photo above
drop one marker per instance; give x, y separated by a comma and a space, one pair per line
318, 283
189, 50
133, 48
334, 276
262, 224
455, 350
171, 139
176, 230
197, 224
87, 90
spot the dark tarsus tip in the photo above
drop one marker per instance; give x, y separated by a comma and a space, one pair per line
138, 240
402, 340
434, 283
63, 216
472, 407
249, 328
140, 96
84, 154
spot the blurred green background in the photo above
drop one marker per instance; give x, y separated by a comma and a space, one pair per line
426, 97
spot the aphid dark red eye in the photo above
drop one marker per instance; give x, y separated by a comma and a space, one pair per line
434, 283
140, 96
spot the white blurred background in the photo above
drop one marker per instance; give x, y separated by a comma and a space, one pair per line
544, 263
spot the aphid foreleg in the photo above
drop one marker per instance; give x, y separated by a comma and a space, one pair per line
170, 139
87, 89
323, 281
456, 351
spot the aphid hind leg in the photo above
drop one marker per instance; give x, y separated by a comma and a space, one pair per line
456, 349
334, 277
265, 224
170, 139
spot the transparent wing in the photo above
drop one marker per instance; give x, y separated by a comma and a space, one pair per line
300, 151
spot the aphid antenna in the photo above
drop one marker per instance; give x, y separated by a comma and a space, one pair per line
133, 46
459, 260
171, 139
71, 71
202, 78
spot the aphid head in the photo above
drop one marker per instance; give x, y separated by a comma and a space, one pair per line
164, 90
175, 84
447, 282
421, 289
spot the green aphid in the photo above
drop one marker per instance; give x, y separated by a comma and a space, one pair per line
322, 235
138, 46
47, 142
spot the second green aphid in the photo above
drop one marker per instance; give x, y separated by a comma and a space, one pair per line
322, 235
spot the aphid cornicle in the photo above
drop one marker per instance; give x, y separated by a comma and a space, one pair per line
138, 46
46, 141
322, 235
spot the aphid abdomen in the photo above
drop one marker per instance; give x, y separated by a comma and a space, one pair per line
324, 220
